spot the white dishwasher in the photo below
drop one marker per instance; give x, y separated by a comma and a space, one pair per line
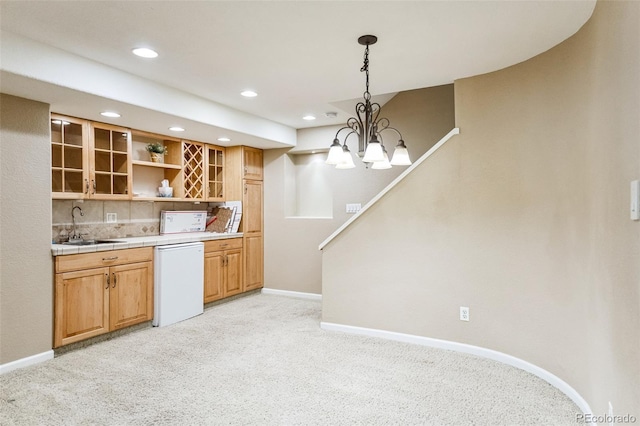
178, 283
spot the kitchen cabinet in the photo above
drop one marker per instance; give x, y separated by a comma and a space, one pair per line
223, 269
100, 292
69, 158
243, 162
254, 258
215, 173
193, 171
148, 175
252, 216
89, 160
243, 177
110, 165
252, 163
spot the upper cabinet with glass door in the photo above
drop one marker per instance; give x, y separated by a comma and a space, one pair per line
110, 152
89, 160
69, 157
215, 173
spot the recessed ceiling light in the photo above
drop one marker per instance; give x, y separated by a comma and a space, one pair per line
110, 114
249, 94
331, 114
144, 52
223, 139
309, 117
176, 129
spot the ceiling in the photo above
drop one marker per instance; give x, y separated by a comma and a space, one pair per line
301, 57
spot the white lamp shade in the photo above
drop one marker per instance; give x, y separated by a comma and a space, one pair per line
400, 157
346, 161
384, 164
373, 153
335, 153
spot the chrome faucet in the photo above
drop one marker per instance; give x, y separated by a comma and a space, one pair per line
75, 235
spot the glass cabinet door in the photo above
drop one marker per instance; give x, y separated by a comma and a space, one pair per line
110, 165
215, 173
68, 157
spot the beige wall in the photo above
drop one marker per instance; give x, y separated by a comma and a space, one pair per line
26, 286
292, 259
523, 217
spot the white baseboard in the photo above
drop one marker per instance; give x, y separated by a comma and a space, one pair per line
25, 362
288, 293
552, 379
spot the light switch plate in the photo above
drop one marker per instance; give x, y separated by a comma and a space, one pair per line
353, 208
112, 217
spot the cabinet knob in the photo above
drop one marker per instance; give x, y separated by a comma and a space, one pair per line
108, 281
115, 281
105, 259
86, 188
93, 182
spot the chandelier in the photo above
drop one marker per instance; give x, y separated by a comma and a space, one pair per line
368, 126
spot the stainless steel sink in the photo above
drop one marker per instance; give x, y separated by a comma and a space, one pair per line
89, 242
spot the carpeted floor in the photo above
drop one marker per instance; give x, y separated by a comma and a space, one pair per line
263, 360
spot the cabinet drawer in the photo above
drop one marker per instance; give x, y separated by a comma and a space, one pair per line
218, 245
76, 262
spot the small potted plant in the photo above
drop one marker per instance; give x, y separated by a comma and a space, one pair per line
157, 152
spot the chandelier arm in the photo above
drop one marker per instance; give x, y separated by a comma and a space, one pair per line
347, 137
375, 112
354, 124
394, 129
338, 132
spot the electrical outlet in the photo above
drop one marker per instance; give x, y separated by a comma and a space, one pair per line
635, 200
112, 217
464, 313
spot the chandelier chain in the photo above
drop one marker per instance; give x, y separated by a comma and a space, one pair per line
365, 69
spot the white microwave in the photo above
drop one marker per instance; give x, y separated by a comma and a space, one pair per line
177, 222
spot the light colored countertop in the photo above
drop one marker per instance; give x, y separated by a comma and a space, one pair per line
135, 242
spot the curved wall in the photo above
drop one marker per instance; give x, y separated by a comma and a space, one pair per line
26, 285
523, 217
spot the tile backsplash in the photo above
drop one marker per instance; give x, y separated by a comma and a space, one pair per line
134, 218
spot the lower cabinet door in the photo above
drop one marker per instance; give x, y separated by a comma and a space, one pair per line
131, 294
233, 270
213, 276
82, 305
254, 262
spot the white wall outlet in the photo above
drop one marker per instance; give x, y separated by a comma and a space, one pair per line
112, 217
464, 313
635, 200
353, 208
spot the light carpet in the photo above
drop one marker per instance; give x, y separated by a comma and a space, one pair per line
263, 360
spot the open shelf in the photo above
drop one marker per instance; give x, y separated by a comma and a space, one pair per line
156, 199
159, 165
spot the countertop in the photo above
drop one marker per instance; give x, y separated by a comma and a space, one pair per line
135, 242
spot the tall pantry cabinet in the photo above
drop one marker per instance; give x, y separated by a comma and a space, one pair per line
244, 181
